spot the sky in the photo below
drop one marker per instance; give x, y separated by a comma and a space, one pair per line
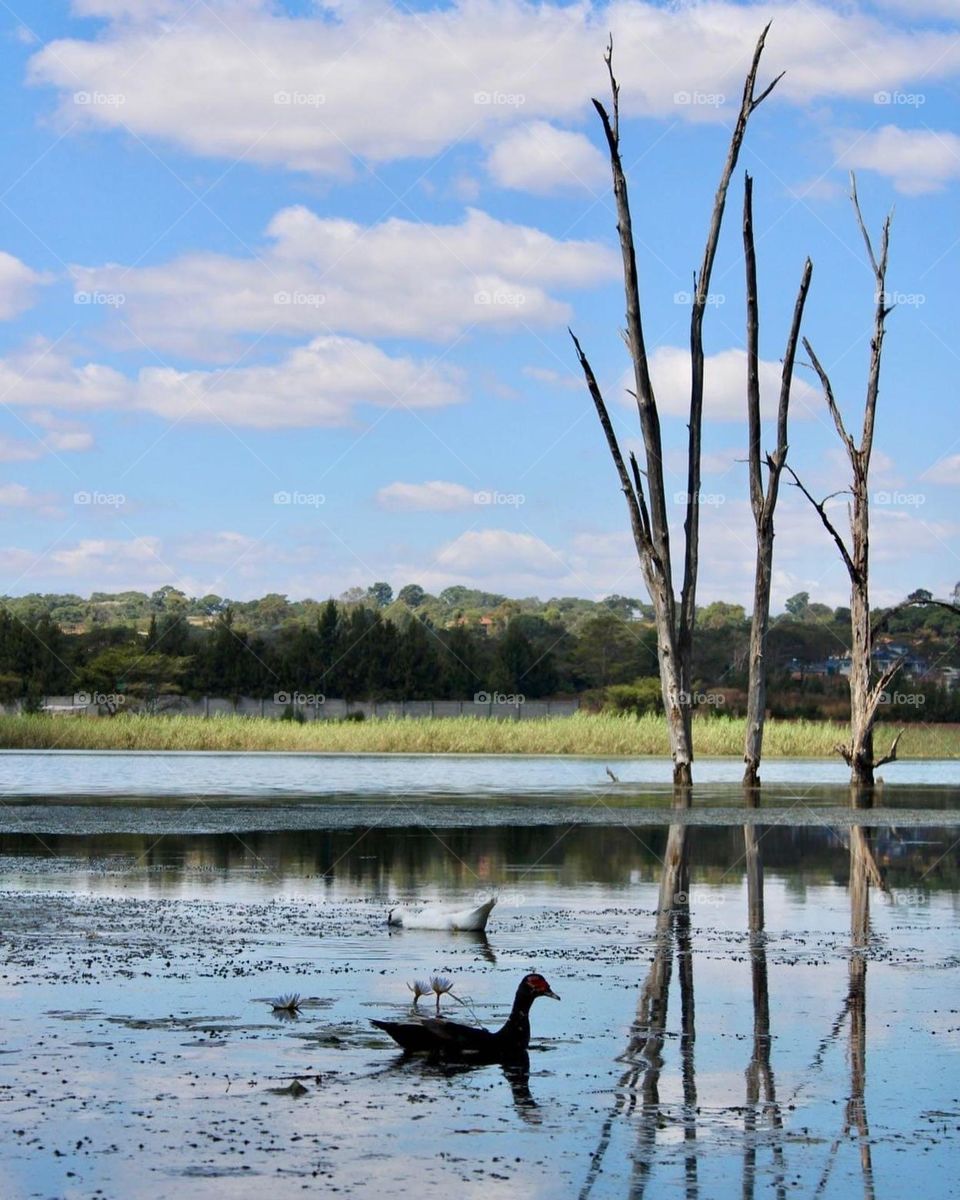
285, 289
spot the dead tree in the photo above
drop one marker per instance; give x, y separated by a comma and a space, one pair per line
644, 490
865, 696
763, 502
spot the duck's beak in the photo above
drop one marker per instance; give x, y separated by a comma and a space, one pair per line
550, 993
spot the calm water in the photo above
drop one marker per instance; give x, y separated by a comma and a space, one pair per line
754, 1002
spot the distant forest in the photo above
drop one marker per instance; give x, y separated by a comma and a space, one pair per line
373, 645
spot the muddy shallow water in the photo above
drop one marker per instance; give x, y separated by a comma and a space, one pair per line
749, 1006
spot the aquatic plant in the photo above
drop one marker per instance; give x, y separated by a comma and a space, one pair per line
442, 986
419, 988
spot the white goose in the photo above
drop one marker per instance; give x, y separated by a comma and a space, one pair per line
468, 920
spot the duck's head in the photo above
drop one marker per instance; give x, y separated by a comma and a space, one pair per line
535, 985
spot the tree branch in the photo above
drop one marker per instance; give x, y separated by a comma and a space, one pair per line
831, 402
885, 617
828, 525
891, 755
753, 354
879, 267
748, 104
639, 521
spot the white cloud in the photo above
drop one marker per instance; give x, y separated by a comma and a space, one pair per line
108, 559
917, 160
399, 278
434, 496
15, 495
17, 285
539, 157
492, 553
244, 79
319, 384
946, 470
15, 450
725, 384
555, 379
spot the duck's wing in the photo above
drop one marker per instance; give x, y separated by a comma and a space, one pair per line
412, 1036
453, 1037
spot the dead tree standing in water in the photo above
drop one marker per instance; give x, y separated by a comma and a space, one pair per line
763, 502
644, 490
865, 698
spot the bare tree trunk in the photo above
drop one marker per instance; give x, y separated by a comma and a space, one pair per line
646, 501
763, 503
864, 698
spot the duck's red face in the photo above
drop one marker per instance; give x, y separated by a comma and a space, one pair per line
539, 986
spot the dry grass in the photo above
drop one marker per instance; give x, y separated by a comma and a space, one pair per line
586, 734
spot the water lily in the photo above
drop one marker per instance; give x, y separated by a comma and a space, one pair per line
288, 1003
419, 988
441, 985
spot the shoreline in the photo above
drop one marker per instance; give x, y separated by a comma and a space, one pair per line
582, 736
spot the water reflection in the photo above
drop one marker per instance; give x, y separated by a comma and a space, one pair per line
410, 863
639, 1086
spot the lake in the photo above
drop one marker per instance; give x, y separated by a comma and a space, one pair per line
754, 1000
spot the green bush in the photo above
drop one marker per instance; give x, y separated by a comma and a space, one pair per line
638, 698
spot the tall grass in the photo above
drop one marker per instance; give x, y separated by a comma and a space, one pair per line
603, 735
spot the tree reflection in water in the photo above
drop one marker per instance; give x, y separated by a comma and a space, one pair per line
638, 1092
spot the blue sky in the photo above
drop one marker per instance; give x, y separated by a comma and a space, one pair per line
284, 288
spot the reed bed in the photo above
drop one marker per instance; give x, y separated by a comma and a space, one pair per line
600, 735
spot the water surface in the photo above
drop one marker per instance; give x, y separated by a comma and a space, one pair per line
754, 1001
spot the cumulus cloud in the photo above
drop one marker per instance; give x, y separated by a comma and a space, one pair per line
320, 384
725, 376
239, 78
539, 157
434, 496
491, 553
18, 282
318, 274
917, 160
15, 495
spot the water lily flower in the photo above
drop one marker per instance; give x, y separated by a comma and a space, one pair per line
419, 988
441, 986
288, 1003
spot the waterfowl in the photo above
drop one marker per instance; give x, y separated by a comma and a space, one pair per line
470, 920
453, 1040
